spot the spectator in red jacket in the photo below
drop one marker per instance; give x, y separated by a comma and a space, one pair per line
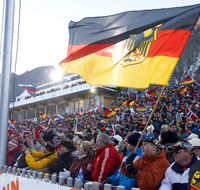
106, 160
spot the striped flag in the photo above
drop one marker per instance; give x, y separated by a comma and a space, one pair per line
109, 113
187, 80
112, 131
37, 131
182, 90
145, 45
29, 87
10, 128
153, 92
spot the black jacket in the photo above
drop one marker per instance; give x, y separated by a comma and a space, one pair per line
64, 161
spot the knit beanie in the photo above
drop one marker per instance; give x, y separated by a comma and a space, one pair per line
50, 146
48, 136
133, 139
67, 145
169, 137
13, 142
69, 136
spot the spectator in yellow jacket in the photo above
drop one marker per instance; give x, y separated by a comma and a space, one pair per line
48, 154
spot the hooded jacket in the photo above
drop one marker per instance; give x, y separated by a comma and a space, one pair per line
151, 170
106, 161
41, 165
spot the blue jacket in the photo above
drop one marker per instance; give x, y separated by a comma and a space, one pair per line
119, 179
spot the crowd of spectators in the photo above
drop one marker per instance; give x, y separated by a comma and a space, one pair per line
105, 147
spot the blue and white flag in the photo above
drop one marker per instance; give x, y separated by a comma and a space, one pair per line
80, 176
59, 117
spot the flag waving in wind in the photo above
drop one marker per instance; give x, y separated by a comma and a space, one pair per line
130, 49
187, 80
29, 87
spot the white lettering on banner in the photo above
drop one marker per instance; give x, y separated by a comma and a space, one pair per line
13, 185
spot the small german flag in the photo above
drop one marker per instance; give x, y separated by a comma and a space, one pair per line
182, 90
113, 105
187, 80
130, 102
44, 115
124, 103
109, 113
140, 107
117, 108
164, 96
152, 92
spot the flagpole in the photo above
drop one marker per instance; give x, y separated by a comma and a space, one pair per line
150, 117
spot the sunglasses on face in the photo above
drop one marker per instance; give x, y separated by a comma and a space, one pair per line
176, 151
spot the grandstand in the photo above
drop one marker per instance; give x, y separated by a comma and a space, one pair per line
72, 94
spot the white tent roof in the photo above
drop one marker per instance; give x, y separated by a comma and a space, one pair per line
24, 94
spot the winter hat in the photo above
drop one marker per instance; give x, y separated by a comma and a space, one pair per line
69, 136
14, 142
67, 145
193, 136
48, 136
50, 146
25, 143
169, 137
195, 142
133, 139
152, 140
116, 138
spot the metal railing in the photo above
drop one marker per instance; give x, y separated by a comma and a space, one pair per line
55, 179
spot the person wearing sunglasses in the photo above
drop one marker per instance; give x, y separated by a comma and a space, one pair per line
177, 174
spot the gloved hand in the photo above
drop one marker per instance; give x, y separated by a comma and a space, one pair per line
65, 174
50, 165
130, 158
104, 182
131, 169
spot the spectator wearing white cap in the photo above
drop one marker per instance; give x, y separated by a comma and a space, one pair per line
195, 142
115, 140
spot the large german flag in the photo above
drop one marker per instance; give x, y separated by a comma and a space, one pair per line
187, 80
131, 49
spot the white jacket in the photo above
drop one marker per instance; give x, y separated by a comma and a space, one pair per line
175, 177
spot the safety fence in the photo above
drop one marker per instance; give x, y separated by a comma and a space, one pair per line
12, 178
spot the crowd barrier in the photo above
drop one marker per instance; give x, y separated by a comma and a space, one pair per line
12, 178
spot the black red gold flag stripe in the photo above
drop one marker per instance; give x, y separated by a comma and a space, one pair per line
109, 113
152, 92
130, 49
187, 80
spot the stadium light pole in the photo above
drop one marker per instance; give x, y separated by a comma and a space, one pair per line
6, 77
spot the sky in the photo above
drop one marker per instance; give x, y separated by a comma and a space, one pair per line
43, 33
